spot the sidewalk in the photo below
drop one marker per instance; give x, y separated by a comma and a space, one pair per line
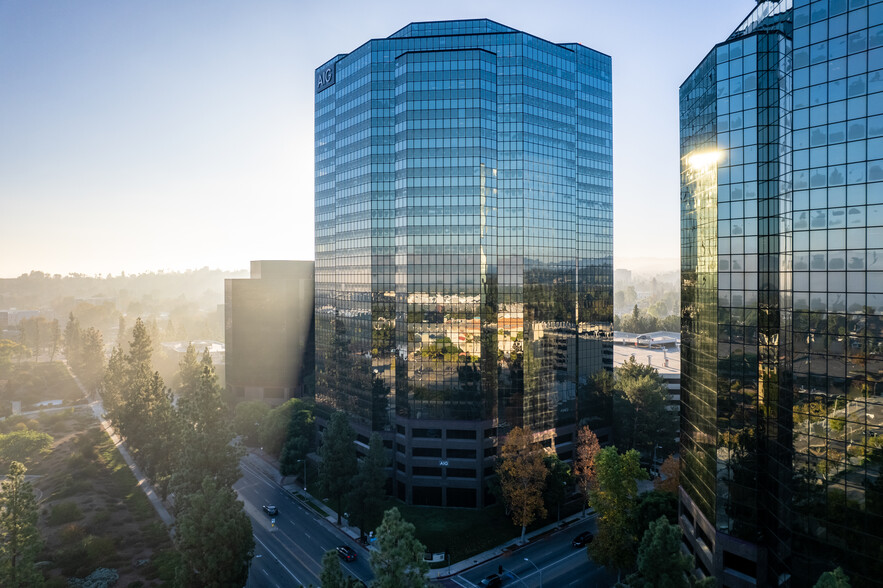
143, 482
270, 468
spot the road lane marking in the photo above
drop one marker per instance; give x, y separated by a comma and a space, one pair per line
278, 561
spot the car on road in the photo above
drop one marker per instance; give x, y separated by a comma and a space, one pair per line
346, 553
582, 539
270, 510
491, 581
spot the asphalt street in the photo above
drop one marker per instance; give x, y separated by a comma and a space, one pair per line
552, 562
289, 552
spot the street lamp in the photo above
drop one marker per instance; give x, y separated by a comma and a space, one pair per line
305, 473
538, 569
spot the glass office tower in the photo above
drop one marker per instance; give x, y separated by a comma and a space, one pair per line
782, 295
463, 246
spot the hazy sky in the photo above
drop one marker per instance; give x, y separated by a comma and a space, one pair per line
145, 135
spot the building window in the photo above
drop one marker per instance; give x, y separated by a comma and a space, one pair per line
461, 473
461, 434
426, 433
426, 452
426, 496
462, 453
424, 471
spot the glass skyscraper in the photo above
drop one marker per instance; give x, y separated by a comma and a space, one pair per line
463, 246
782, 296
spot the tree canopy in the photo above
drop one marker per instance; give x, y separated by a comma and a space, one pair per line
369, 486
398, 560
214, 536
522, 475
614, 500
338, 459
20, 541
587, 448
661, 563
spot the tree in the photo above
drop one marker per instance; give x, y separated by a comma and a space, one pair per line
587, 449
332, 575
247, 418
661, 563
522, 475
652, 505
140, 347
559, 478
21, 541
275, 426
398, 560
8, 349
338, 456
54, 339
836, 578
72, 340
642, 403
301, 432
114, 384
214, 537
91, 367
20, 446
614, 499
369, 486
189, 372
205, 448
669, 478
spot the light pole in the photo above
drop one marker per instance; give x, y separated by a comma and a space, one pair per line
538, 569
305, 473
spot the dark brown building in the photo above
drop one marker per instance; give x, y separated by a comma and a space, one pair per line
269, 331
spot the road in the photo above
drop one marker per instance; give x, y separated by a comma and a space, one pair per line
554, 563
290, 553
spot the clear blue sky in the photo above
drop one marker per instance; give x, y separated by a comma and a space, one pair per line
145, 135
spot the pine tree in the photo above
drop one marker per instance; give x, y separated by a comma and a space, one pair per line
72, 342
369, 486
189, 372
21, 541
338, 457
661, 563
91, 358
398, 560
214, 536
522, 475
205, 448
332, 575
140, 347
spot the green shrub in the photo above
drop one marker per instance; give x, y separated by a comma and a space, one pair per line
64, 512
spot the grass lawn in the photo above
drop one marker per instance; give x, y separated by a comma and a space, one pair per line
461, 532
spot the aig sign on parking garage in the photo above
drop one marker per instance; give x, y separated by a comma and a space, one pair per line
325, 77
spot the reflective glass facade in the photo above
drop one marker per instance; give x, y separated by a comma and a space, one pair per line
782, 296
463, 245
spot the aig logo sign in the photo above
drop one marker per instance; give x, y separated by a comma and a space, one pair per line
325, 77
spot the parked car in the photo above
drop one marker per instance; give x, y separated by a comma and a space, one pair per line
492, 581
270, 510
582, 539
346, 553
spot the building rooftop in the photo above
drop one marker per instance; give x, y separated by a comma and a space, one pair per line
661, 349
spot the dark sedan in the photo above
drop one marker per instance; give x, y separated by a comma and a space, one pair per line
346, 553
582, 539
